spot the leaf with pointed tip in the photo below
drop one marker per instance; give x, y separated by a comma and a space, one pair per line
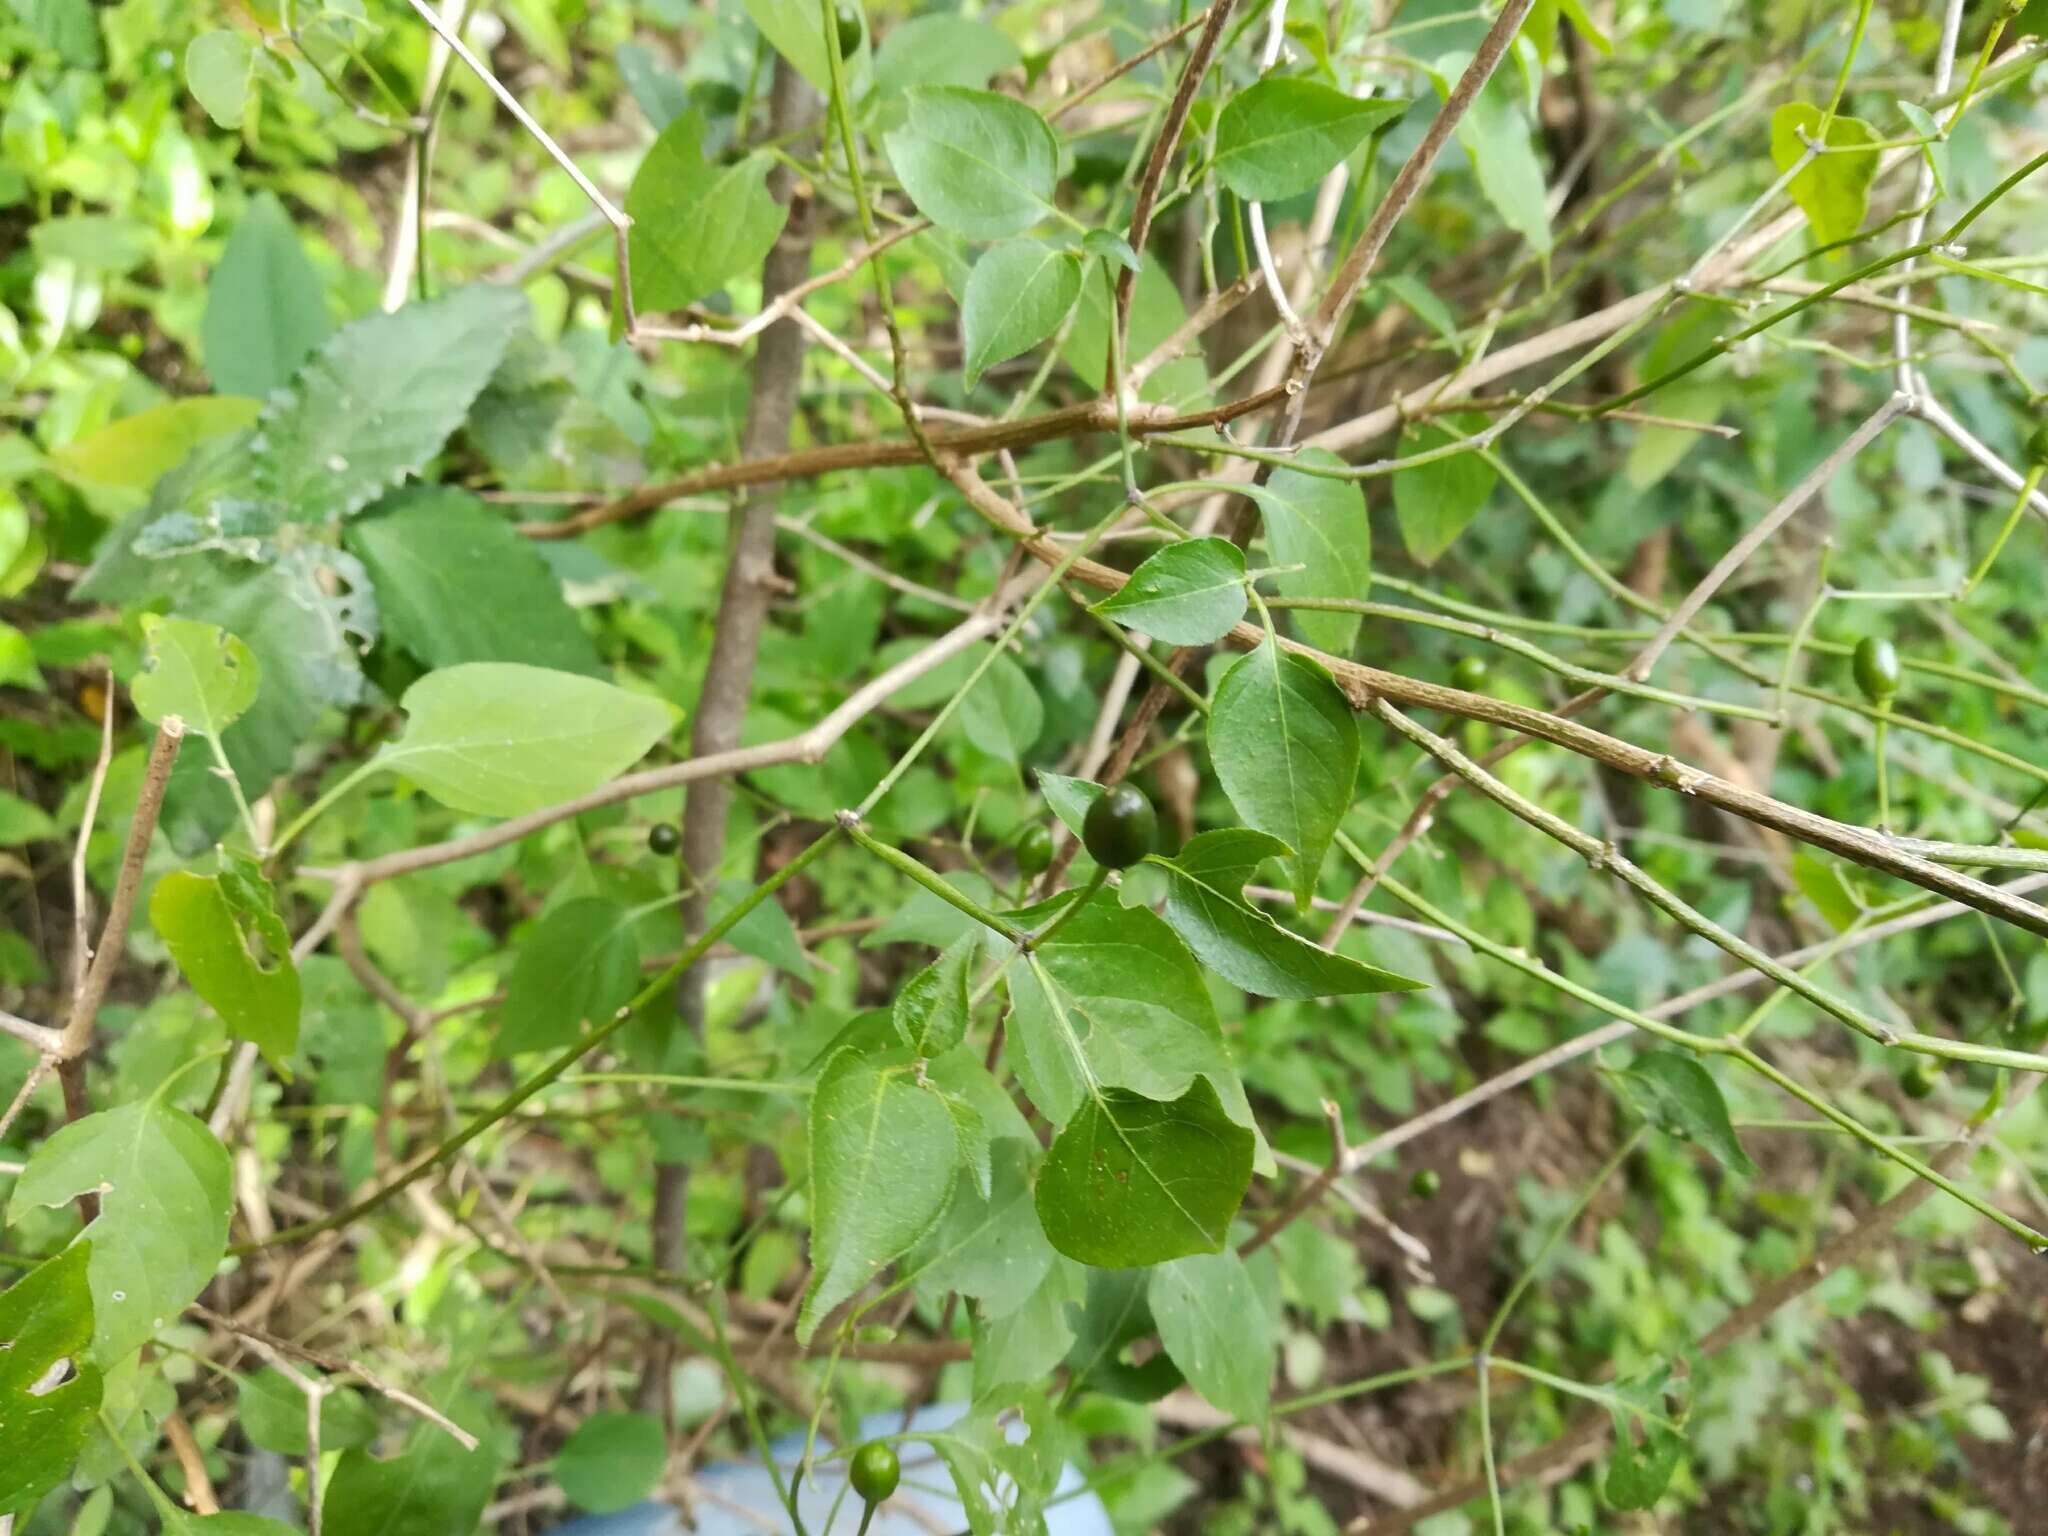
1217, 1330
1319, 524
1068, 797
1834, 189
235, 953
1680, 1096
1017, 295
931, 1010
1205, 905
1285, 745
572, 973
1283, 135
697, 224
1190, 593
974, 162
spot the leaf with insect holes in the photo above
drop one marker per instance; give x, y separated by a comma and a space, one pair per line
162, 1181
198, 672
1190, 593
49, 1393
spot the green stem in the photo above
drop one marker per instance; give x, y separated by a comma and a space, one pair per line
1086, 894
952, 895
2012, 521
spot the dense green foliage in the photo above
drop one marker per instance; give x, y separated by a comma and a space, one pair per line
1296, 749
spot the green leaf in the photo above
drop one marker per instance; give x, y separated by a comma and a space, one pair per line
1834, 191
497, 739
455, 583
1680, 1096
273, 1415
162, 1180
931, 1011
795, 29
433, 1488
198, 672
1131, 1181
1205, 905
1217, 1330
66, 27
1114, 1000
1656, 451
45, 1319
236, 955
884, 1160
266, 308
1190, 593
1319, 524
942, 50
23, 821
1638, 1475
1017, 295
1068, 797
1497, 137
1435, 502
1156, 314
136, 451
990, 1247
696, 224
1002, 714
376, 403
1283, 135
976, 163
1106, 245
611, 1461
766, 933
219, 71
1285, 745
1115, 1314
572, 973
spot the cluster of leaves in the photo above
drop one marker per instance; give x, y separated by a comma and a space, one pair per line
1038, 1135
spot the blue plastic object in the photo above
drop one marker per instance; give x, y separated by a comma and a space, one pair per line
737, 1498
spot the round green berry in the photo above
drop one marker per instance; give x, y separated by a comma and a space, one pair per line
875, 1472
1470, 673
664, 839
1919, 1080
1425, 1184
1876, 665
1033, 850
2037, 444
846, 19
1120, 827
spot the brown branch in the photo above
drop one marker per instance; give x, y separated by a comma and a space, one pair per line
1151, 50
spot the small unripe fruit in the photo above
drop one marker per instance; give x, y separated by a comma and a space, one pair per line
847, 21
1120, 827
2037, 444
1470, 673
875, 1472
1876, 666
1033, 850
1919, 1080
664, 839
1425, 1184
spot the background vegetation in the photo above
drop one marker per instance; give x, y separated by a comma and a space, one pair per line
558, 560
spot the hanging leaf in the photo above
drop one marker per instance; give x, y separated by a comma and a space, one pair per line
1496, 134
1132, 1181
976, 163
611, 1461
1217, 1331
576, 968
162, 1182
1017, 295
49, 1390
1246, 947
1283, 135
198, 672
1833, 191
1068, 797
1435, 502
220, 71
931, 1010
1285, 745
1680, 1096
235, 953
497, 739
266, 308
1320, 525
697, 224
1190, 593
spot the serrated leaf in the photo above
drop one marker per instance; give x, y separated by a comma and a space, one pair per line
974, 162
1017, 295
1680, 1096
1833, 191
1319, 524
497, 739
884, 1161
572, 973
1217, 1331
162, 1182
455, 583
198, 672
697, 224
1283, 135
1132, 1181
1435, 502
611, 1461
49, 1391
1190, 593
1285, 745
234, 954
266, 309
1246, 947
930, 1012
378, 400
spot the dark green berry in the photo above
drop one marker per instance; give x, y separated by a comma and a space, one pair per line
1120, 827
1877, 668
1469, 673
1919, 1080
1425, 1184
1033, 850
664, 839
2037, 444
847, 20
875, 1472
